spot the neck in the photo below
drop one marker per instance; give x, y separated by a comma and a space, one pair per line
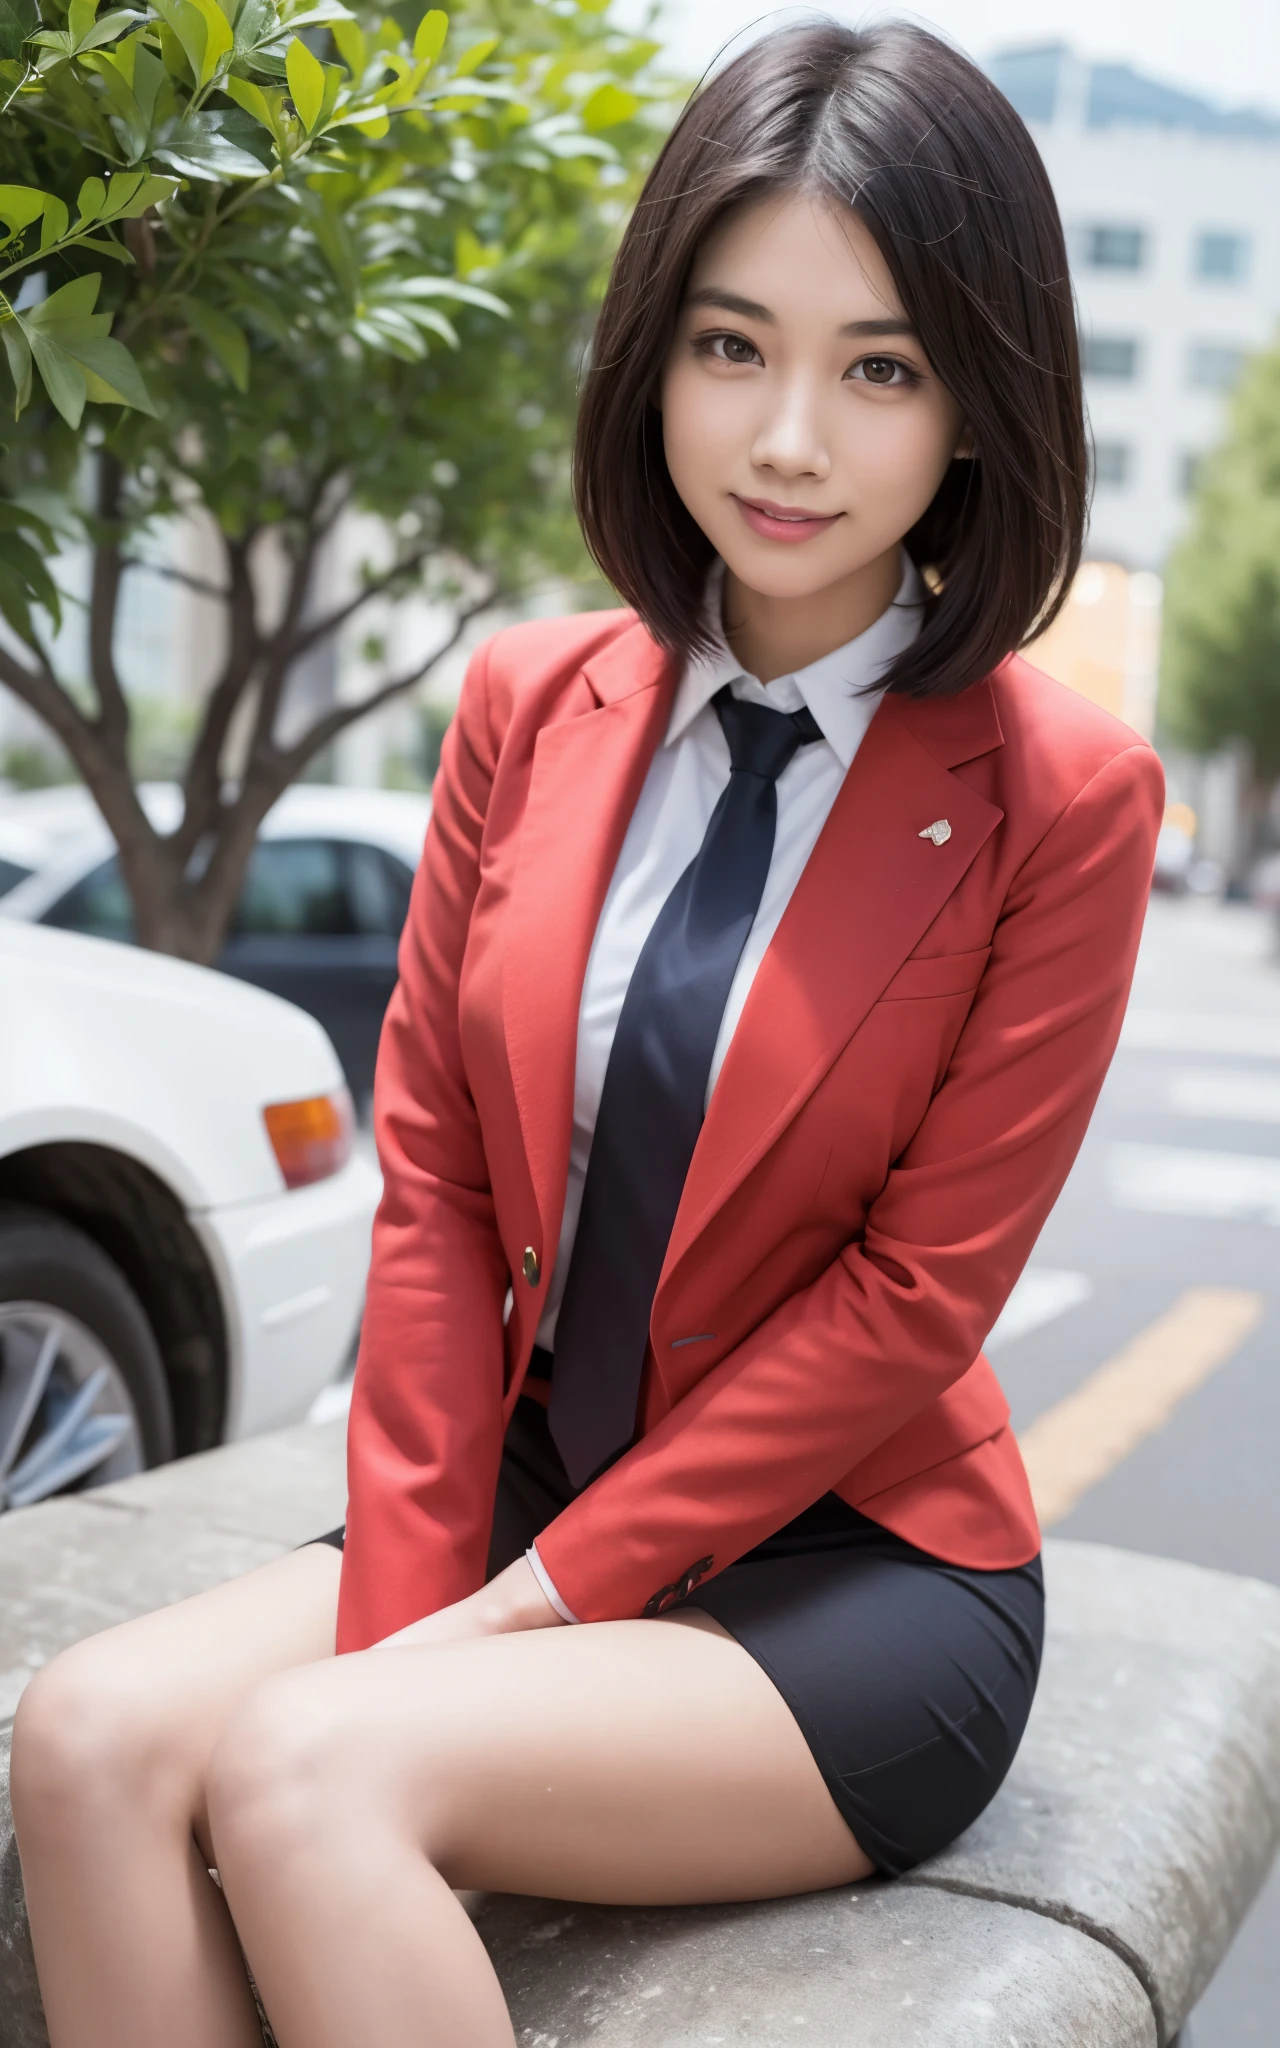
775, 636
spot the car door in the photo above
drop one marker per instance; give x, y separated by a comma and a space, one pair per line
318, 921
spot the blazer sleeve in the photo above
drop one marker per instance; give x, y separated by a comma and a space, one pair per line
903, 1312
425, 1432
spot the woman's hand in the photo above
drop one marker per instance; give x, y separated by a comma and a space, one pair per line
512, 1601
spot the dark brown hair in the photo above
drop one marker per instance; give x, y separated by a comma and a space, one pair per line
896, 124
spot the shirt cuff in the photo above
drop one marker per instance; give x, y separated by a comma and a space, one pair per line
541, 1574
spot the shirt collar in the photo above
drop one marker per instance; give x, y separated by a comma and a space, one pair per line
833, 687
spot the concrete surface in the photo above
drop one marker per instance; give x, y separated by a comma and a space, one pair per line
1144, 1803
871, 1966
1089, 1905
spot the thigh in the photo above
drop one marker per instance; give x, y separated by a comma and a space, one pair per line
621, 1762
146, 1700
912, 1679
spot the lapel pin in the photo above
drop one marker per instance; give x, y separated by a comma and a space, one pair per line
939, 831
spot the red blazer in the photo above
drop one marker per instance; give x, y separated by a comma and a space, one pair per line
900, 1105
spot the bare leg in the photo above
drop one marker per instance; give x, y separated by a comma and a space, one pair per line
134, 1944
631, 1761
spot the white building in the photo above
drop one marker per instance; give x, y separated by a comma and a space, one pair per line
1172, 212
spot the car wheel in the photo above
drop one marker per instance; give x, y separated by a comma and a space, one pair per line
82, 1390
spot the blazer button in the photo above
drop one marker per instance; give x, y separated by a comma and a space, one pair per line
532, 1267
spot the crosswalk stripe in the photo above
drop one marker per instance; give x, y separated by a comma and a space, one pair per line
1169, 1180
1180, 1031
1082, 1439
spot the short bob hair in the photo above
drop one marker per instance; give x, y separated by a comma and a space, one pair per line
896, 124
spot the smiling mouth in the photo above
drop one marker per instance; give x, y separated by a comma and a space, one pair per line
783, 522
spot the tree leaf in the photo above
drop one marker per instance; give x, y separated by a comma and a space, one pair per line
608, 105
253, 99
351, 45
131, 193
56, 221
20, 204
305, 74
450, 288
107, 29
91, 200
111, 375
214, 145
18, 20
428, 41
226, 342
80, 15
219, 40
472, 59
74, 301
19, 353
65, 383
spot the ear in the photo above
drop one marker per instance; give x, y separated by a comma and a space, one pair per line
966, 448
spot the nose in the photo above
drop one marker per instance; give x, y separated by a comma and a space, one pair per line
790, 438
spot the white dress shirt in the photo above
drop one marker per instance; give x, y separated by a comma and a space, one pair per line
686, 778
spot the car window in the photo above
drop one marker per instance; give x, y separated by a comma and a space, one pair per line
380, 887
295, 888
11, 873
400, 883
98, 904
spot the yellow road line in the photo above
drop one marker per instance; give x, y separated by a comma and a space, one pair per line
1073, 1445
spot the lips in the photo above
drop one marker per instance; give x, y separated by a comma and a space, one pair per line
786, 523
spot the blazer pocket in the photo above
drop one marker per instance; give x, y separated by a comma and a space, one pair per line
940, 974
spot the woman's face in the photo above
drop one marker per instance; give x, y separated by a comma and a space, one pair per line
804, 428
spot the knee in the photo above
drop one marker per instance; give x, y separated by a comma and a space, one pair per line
275, 1769
86, 1737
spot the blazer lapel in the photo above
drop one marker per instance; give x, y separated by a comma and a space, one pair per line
869, 892
588, 770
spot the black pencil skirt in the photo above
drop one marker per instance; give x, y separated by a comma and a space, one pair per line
909, 1678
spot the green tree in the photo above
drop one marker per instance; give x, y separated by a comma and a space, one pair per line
275, 261
1220, 663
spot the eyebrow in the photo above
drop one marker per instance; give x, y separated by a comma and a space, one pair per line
732, 302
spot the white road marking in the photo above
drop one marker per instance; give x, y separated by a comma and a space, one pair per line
1081, 1440
1177, 1031
1168, 1181
1040, 1296
1226, 1092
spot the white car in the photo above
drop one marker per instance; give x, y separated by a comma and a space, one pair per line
319, 914
184, 1219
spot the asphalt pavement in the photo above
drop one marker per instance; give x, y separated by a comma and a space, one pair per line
1177, 1189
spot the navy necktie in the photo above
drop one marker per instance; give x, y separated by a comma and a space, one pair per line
655, 1085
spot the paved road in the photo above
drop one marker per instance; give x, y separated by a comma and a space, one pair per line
1138, 1224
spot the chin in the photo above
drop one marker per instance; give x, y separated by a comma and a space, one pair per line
795, 578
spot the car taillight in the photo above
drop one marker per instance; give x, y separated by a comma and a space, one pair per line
312, 1138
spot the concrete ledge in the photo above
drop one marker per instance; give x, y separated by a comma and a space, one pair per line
873, 1966
1090, 1904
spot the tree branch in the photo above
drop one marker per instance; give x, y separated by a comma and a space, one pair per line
199, 584
202, 783
337, 720
320, 629
104, 604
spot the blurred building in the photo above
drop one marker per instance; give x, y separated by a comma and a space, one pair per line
1172, 212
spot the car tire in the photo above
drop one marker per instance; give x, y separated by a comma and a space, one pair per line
55, 1270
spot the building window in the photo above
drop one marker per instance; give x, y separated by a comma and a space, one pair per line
1115, 248
1222, 258
1109, 355
1112, 464
1215, 365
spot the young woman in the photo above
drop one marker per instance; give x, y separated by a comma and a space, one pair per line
769, 949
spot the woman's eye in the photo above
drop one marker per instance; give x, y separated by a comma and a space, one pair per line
729, 348
883, 370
